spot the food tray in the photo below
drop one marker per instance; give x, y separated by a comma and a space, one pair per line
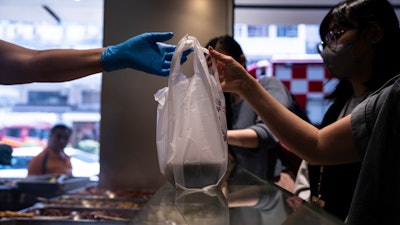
105, 193
58, 213
101, 198
94, 202
47, 186
25, 221
30, 221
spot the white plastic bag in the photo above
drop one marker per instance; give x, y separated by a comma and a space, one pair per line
191, 123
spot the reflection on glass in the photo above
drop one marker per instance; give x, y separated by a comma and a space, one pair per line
203, 207
183, 207
241, 199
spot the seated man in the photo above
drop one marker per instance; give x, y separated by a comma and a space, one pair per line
53, 160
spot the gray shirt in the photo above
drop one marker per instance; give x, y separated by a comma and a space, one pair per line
265, 161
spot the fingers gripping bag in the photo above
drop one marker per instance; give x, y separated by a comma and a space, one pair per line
191, 123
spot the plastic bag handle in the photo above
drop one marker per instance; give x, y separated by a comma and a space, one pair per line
186, 43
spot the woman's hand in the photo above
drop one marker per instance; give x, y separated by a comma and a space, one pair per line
232, 75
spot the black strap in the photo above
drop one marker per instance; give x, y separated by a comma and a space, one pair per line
46, 156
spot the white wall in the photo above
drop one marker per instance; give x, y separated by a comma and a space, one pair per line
128, 147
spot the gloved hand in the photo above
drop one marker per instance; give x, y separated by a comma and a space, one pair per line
144, 52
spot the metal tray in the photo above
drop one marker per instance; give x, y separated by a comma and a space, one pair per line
95, 191
92, 202
29, 221
46, 186
101, 198
79, 214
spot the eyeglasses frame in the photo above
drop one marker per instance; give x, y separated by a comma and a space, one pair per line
330, 37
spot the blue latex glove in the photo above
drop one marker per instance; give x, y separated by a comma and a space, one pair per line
144, 52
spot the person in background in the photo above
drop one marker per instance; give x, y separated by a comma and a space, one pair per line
145, 52
370, 134
359, 39
53, 159
250, 142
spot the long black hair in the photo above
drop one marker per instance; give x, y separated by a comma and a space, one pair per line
229, 46
361, 14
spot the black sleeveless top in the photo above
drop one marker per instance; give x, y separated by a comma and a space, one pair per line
338, 181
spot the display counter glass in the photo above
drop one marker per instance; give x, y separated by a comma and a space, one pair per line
241, 199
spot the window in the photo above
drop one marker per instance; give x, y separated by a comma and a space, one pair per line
285, 48
257, 30
61, 24
47, 98
25, 109
13, 132
90, 97
274, 32
38, 133
287, 31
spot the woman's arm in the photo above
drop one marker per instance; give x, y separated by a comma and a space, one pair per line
246, 138
331, 145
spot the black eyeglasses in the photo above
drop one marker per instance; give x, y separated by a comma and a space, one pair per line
330, 40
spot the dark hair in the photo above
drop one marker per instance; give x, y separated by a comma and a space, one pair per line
361, 14
61, 127
228, 45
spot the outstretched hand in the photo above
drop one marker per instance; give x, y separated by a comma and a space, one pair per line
232, 75
145, 52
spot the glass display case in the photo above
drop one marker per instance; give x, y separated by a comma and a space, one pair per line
240, 199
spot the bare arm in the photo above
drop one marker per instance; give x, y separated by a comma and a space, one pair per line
21, 65
258, 134
35, 166
331, 145
145, 52
246, 138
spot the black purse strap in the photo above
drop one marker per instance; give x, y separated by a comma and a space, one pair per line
46, 156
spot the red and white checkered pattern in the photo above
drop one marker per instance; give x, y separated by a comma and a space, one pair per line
304, 79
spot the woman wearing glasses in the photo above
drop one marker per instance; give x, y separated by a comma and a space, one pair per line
359, 37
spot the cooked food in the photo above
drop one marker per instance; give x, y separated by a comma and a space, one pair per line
13, 214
